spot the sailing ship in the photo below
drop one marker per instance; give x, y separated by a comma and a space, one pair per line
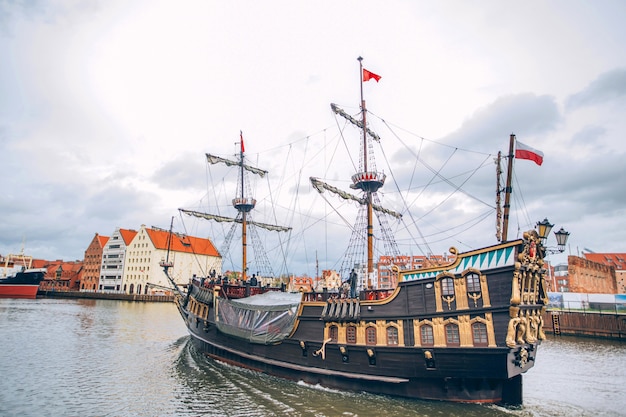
462, 331
18, 279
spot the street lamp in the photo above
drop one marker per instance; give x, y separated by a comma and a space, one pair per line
561, 239
543, 230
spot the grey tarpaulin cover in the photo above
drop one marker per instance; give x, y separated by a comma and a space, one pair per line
265, 318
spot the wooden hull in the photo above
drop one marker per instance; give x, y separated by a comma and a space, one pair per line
331, 343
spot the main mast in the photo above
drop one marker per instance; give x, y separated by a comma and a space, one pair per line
368, 182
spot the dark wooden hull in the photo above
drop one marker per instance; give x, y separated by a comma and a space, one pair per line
318, 351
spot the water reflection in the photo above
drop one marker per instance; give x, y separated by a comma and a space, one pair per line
108, 358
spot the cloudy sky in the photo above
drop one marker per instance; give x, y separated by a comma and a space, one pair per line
108, 107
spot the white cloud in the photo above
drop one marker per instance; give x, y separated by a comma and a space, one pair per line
107, 109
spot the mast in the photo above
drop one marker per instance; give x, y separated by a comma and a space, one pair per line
166, 264
244, 205
508, 189
368, 182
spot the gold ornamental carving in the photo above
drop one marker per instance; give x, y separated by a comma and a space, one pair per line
528, 294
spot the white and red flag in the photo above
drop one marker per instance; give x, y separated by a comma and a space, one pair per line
526, 152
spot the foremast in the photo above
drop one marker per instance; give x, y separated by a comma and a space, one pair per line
502, 218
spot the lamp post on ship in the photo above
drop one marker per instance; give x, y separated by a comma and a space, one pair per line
543, 230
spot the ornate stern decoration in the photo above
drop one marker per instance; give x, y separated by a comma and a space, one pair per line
528, 295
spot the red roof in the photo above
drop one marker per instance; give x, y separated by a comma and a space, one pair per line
182, 243
616, 260
128, 235
103, 240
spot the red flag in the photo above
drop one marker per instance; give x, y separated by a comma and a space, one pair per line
241, 137
368, 75
526, 152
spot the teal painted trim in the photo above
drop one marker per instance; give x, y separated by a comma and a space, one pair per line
482, 261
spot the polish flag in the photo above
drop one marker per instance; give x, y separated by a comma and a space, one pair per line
526, 152
241, 137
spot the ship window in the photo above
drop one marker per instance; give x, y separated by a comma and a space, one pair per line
392, 336
370, 335
351, 334
479, 333
333, 332
426, 332
447, 286
452, 335
473, 283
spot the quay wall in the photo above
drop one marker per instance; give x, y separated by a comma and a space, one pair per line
107, 296
590, 324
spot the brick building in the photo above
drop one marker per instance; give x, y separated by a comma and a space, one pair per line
62, 276
92, 263
587, 276
618, 261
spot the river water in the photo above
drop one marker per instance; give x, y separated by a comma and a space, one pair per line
115, 358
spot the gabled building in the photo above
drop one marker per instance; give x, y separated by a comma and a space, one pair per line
330, 280
92, 263
300, 284
187, 255
62, 276
113, 256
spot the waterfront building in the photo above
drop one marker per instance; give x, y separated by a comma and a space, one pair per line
113, 257
330, 280
617, 261
62, 276
301, 284
92, 263
151, 247
587, 276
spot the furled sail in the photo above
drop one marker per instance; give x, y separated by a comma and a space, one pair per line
233, 220
320, 186
354, 121
212, 159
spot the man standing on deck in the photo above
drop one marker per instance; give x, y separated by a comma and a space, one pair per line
352, 281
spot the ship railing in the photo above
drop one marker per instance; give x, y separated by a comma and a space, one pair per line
232, 291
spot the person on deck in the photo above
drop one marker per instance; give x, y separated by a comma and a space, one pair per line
352, 281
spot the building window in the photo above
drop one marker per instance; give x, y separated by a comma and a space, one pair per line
392, 336
370, 335
479, 334
333, 332
473, 283
426, 333
447, 286
351, 334
452, 335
